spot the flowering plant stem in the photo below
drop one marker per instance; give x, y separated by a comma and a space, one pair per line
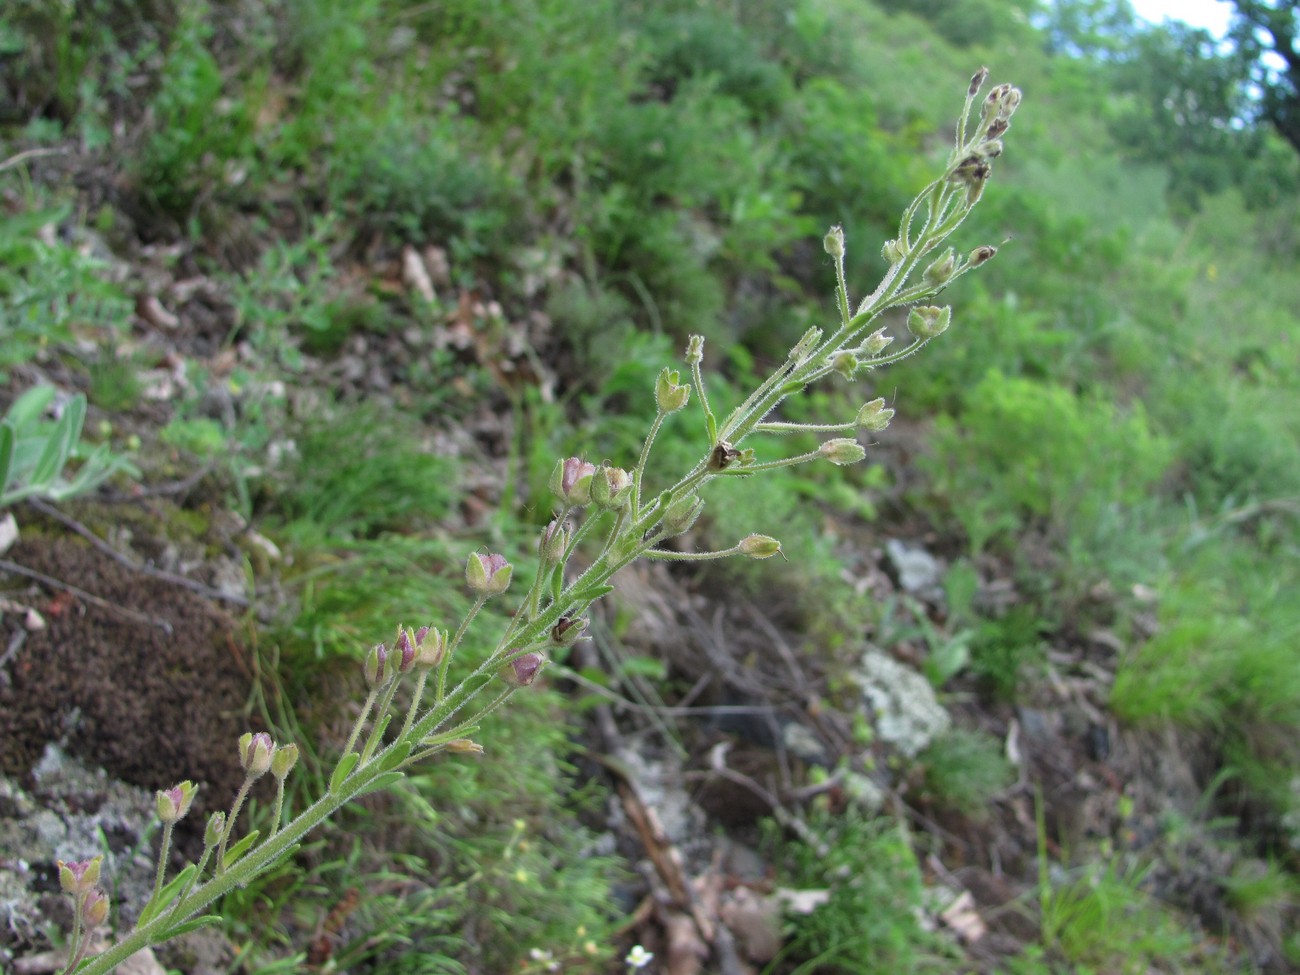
638, 522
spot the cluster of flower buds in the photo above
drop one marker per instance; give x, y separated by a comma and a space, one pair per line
578, 483
80, 880
421, 649
927, 321
974, 168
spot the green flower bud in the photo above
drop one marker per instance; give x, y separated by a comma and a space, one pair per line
611, 487
941, 270
568, 630
981, 255
927, 321
255, 753
842, 450
487, 575
94, 909
877, 342
759, 546
681, 514
215, 828
845, 363
669, 396
172, 804
79, 876
874, 416
892, 252
833, 242
571, 481
285, 758
805, 344
553, 542
695, 350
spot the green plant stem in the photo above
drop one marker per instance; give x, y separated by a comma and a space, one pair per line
163, 850
279, 805
230, 820
453, 643
361, 721
639, 472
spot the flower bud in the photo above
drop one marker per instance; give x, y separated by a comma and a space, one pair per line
842, 450
669, 395
682, 513
522, 671
874, 416
553, 542
833, 242
568, 630
488, 575
981, 255
404, 649
255, 753
172, 804
760, 546
430, 647
992, 149
805, 344
611, 487
877, 342
376, 668
892, 252
571, 481
463, 746
977, 81
941, 270
927, 321
694, 349
213, 831
285, 758
974, 191
845, 363
79, 876
94, 909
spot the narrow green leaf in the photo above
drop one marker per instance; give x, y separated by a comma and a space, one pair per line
395, 756
166, 895
185, 927
53, 456
6, 456
639, 666
346, 764
239, 849
384, 781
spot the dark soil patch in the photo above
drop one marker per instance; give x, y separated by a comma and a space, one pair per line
152, 686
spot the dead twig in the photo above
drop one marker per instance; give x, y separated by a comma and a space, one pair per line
90, 597
161, 574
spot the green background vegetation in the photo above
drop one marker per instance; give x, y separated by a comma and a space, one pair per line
1114, 408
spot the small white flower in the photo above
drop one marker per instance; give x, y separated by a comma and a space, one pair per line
638, 958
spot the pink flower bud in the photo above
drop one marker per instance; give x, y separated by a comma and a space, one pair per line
431, 646
405, 649
571, 481
376, 668
553, 542
172, 804
255, 752
79, 876
522, 671
487, 575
